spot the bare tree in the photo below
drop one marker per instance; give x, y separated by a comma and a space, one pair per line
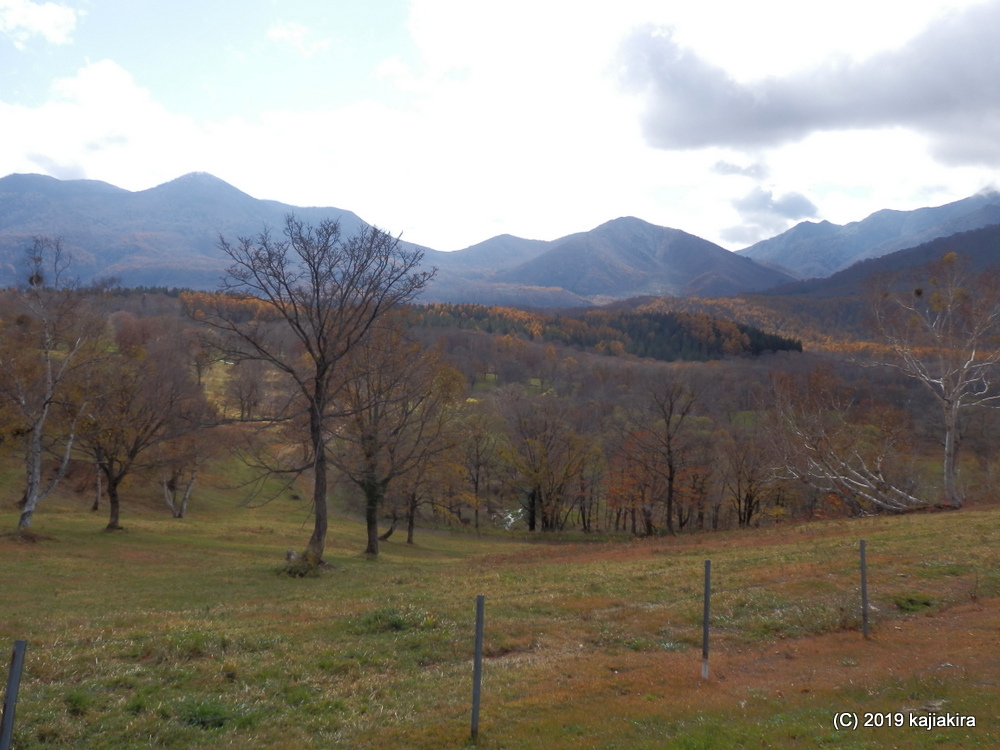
246, 387
49, 337
856, 452
636, 484
148, 398
307, 301
663, 425
479, 453
747, 476
400, 401
546, 451
180, 460
943, 332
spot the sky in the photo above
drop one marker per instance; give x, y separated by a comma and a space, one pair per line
453, 121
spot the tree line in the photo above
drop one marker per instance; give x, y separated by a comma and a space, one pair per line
312, 366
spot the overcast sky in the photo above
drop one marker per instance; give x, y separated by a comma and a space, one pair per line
452, 121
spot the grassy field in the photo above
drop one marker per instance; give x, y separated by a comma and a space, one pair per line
181, 634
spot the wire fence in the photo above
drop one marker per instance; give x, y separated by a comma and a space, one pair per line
362, 663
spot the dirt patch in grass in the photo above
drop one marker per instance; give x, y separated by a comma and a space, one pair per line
785, 692
960, 641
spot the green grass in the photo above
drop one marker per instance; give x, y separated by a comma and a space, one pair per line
183, 634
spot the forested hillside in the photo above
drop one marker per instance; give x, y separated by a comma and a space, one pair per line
666, 336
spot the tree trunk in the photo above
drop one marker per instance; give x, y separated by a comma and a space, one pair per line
313, 555
951, 493
97, 495
671, 481
388, 532
33, 461
113, 516
24, 522
187, 493
411, 517
373, 499
178, 509
33, 492
169, 496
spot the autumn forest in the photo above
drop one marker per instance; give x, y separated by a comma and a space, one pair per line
317, 371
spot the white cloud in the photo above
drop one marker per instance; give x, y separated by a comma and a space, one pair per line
20, 20
100, 123
511, 118
944, 82
296, 36
757, 170
763, 214
793, 206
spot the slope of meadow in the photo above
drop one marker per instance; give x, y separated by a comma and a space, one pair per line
180, 633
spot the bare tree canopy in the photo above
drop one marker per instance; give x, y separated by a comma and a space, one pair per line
660, 428
942, 330
149, 400
855, 452
401, 401
300, 304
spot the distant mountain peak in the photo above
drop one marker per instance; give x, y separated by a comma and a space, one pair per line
628, 223
198, 182
163, 236
199, 177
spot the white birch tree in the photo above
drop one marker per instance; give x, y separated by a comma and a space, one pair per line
942, 330
47, 343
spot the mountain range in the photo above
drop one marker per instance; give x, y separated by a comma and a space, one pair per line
164, 236
168, 236
623, 258
820, 249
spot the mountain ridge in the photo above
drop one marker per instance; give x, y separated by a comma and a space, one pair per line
820, 249
168, 235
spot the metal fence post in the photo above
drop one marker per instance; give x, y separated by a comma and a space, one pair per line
10, 697
477, 669
864, 591
705, 616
